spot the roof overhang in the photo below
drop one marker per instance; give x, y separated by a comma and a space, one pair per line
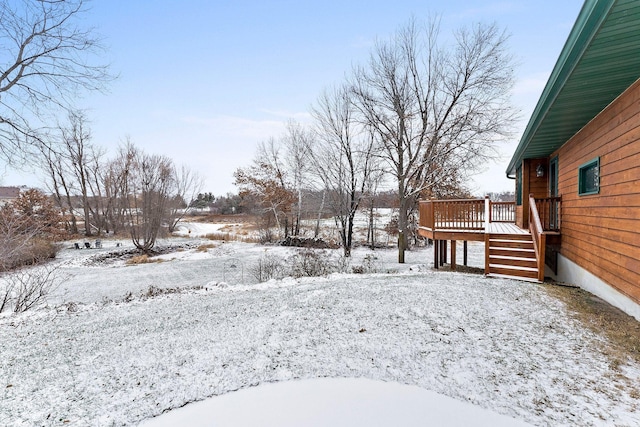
600, 59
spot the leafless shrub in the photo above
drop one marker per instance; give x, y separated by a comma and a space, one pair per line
370, 264
266, 235
23, 289
155, 291
311, 263
268, 267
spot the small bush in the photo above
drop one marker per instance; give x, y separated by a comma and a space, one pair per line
30, 251
23, 289
311, 263
266, 236
369, 265
268, 267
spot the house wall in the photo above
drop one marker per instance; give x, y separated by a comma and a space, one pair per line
601, 232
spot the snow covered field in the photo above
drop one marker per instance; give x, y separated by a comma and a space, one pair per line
115, 357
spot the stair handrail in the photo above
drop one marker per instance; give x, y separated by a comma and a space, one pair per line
537, 233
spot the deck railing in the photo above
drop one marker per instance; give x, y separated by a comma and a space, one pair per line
502, 211
464, 214
537, 233
452, 214
549, 212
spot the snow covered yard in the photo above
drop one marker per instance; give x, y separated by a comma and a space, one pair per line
503, 345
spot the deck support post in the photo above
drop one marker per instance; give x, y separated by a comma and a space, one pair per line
453, 255
443, 253
436, 257
486, 253
464, 252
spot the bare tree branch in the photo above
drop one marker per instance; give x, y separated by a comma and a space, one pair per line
45, 64
437, 111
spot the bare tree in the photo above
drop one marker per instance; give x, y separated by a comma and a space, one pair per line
297, 143
187, 185
73, 167
343, 159
114, 177
76, 143
56, 167
45, 63
148, 190
435, 110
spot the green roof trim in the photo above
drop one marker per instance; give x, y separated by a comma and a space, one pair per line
600, 59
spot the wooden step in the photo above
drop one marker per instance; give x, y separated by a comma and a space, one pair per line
501, 243
516, 261
523, 236
508, 270
512, 256
513, 252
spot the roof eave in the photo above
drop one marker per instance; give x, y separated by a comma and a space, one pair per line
587, 25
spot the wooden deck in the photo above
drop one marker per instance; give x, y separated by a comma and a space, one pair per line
510, 251
506, 228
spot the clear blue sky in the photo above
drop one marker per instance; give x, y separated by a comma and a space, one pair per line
205, 81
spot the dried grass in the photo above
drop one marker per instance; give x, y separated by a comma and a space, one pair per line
621, 330
142, 259
205, 247
231, 237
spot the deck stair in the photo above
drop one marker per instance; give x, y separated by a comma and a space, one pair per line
513, 256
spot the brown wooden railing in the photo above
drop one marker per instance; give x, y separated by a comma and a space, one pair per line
537, 233
453, 214
502, 211
549, 212
464, 214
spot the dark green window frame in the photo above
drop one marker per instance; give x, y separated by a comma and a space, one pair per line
589, 177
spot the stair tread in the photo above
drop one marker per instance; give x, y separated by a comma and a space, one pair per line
513, 267
507, 276
505, 239
522, 236
511, 258
513, 249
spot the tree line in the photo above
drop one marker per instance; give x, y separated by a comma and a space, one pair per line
134, 191
49, 57
420, 116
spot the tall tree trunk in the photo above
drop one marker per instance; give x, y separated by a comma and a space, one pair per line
371, 233
317, 230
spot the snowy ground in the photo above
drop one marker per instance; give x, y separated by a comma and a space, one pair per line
332, 402
109, 360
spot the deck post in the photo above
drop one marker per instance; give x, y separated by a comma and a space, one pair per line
432, 216
436, 257
487, 213
486, 253
444, 252
464, 252
453, 255
487, 222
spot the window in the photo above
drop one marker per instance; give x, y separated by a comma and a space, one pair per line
589, 177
